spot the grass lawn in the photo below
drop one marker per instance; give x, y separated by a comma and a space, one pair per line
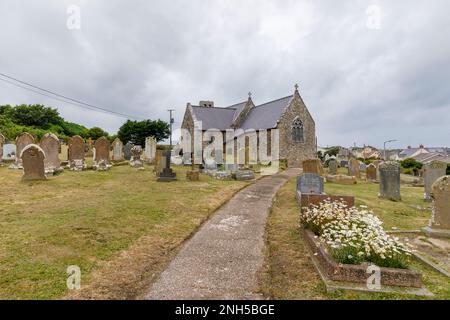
289, 272
120, 227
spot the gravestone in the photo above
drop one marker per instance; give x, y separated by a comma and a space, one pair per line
440, 220
210, 164
117, 154
76, 153
166, 174
371, 172
390, 181
101, 160
64, 155
343, 164
150, 149
9, 151
159, 160
353, 168
136, 161
332, 167
342, 179
362, 167
433, 171
32, 157
311, 166
127, 151
309, 183
2, 142
50, 145
242, 175
23, 140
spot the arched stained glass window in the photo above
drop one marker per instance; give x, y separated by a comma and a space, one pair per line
297, 130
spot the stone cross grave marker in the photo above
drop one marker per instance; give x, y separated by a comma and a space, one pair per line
309, 183
33, 163
390, 181
50, 145
433, 171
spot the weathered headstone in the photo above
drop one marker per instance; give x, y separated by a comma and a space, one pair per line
150, 149
433, 171
362, 167
309, 183
332, 167
64, 155
50, 145
242, 175
311, 166
127, 151
2, 142
371, 172
440, 220
117, 154
76, 153
23, 140
101, 160
167, 174
159, 160
353, 168
390, 181
32, 157
342, 179
136, 161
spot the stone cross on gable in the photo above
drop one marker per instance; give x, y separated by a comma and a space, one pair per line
296, 87
250, 95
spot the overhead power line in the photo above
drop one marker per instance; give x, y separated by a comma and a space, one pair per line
60, 97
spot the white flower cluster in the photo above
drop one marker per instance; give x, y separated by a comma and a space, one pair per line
357, 231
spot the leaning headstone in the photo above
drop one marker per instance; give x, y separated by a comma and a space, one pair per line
332, 167
127, 151
433, 171
150, 149
309, 183
136, 161
353, 168
23, 140
2, 142
311, 166
50, 145
371, 172
440, 220
101, 160
32, 157
76, 153
117, 154
390, 181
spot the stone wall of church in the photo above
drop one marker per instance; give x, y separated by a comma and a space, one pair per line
296, 152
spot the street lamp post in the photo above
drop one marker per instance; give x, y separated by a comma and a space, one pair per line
389, 141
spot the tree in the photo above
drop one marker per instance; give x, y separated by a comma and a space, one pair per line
96, 132
34, 115
136, 131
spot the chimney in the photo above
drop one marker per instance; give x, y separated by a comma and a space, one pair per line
206, 104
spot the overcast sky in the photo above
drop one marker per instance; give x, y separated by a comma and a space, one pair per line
368, 71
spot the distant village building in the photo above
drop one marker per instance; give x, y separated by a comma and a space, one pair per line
426, 155
297, 133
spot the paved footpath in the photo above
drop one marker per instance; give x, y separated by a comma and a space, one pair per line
222, 259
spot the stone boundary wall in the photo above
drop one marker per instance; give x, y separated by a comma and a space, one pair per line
358, 273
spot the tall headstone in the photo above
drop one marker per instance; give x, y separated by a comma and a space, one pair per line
167, 174
159, 160
32, 157
390, 181
23, 140
136, 161
440, 220
150, 149
117, 154
353, 168
311, 166
332, 167
2, 142
50, 145
433, 171
127, 151
309, 183
76, 153
101, 160
371, 172
64, 154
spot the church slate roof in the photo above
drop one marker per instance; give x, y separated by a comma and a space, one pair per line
264, 116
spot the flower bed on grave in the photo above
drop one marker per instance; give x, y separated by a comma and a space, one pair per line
346, 240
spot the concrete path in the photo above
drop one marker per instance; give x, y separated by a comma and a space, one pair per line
222, 259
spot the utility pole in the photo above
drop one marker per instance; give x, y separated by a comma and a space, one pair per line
171, 123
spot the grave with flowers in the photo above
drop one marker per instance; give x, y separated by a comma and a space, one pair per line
351, 250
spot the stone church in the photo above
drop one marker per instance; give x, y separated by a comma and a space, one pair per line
297, 134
